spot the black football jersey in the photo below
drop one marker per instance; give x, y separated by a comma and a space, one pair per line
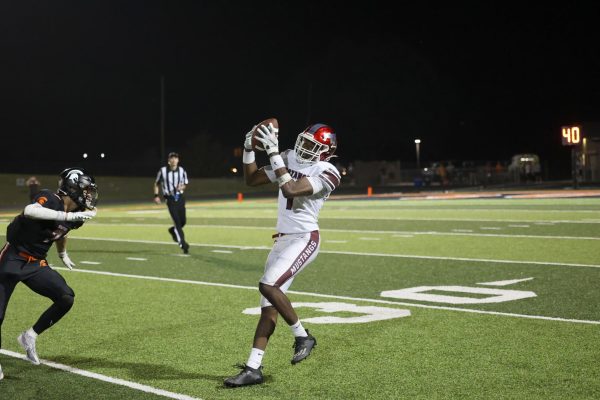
35, 236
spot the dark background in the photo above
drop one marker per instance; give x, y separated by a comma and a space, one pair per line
472, 81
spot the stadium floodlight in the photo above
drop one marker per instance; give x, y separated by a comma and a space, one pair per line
417, 145
101, 155
85, 155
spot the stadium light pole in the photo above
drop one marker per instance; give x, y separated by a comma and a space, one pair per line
162, 118
418, 148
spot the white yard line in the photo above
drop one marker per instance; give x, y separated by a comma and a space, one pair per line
504, 283
137, 259
222, 251
104, 378
376, 231
459, 259
329, 296
560, 221
90, 262
352, 253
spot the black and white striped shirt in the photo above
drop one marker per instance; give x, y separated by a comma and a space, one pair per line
170, 179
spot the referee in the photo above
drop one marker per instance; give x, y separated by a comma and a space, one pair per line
173, 180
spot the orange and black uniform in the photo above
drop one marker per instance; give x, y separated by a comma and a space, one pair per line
23, 259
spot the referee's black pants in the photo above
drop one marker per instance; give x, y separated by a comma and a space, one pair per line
177, 211
18, 267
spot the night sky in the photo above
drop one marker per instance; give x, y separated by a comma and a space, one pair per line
472, 81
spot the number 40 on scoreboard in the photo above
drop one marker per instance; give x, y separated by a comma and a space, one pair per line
571, 135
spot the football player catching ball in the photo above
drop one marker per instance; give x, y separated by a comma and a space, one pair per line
305, 179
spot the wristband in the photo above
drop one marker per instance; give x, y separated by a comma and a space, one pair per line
156, 195
283, 179
277, 162
62, 254
248, 157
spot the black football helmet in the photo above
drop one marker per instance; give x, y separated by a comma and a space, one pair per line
79, 186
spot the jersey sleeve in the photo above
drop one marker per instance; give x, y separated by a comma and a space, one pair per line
327, 181
185, 178
159, 176
50, 200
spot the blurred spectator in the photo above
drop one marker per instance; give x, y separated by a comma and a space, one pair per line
450, 172
34, 187
488, 173
499, 168
442, 174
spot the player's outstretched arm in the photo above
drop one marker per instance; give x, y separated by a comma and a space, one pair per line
37, 211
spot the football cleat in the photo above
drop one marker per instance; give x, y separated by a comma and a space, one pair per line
247, 376
185, 247
302, 347
172, 232
28, 344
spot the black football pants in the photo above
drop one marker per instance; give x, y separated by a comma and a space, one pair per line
39, 277
177, 211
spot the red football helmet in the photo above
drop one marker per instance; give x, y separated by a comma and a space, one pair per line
316, 143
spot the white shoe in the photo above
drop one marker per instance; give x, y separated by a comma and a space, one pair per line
28, 344
1, 373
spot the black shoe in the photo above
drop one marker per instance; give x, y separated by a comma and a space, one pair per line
185, 247
172, 232
248, 376
302, 347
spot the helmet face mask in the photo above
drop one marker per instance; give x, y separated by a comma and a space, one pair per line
316, 143
80, 187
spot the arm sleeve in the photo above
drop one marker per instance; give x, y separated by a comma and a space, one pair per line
159, 176
37, 211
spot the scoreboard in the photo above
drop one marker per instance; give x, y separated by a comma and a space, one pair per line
571, 135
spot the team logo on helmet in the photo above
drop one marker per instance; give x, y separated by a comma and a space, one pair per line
73, 175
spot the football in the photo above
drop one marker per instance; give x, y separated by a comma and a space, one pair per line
256, 145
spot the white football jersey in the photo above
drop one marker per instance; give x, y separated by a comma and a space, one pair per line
301, 214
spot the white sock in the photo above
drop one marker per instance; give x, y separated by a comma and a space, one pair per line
31, 333
255, 359
298, 330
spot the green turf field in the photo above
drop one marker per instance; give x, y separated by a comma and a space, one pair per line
503, 302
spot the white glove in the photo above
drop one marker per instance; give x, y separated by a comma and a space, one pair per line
268, 137
248, 141
66, 260
81, 215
